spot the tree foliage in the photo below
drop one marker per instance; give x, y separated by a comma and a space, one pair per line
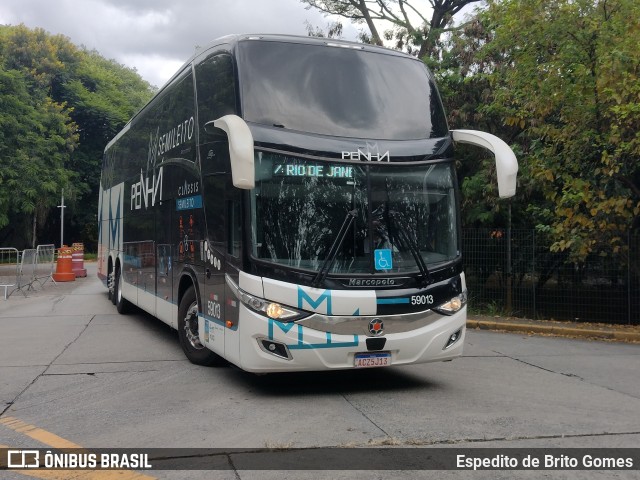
415, 25
59, 106
570, 82
38, 135
464, 78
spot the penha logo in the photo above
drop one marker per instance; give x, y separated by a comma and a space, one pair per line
369, 154
146, 193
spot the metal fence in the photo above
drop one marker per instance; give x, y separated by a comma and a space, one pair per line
45, 264
9, 269
515, 273
27, 270
21, 271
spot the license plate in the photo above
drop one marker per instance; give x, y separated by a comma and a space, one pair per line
380, 359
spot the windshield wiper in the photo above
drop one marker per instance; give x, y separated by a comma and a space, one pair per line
404, 238
325, 268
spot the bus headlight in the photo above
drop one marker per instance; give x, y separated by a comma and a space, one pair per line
270, 309
454, 305
275, 310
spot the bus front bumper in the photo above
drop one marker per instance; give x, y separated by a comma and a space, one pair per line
278, 347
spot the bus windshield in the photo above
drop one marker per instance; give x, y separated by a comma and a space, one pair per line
343, 92
392, 213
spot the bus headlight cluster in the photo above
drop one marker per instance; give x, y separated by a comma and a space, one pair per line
454, 305
270, 309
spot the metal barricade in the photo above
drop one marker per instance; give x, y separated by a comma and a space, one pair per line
45, 264
26, 270
9, 268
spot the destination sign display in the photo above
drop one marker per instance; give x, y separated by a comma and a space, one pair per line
318, 171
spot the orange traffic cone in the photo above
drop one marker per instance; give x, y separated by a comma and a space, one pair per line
77, 257
64, 270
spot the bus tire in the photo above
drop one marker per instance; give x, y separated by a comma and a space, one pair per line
122, 304
188, 333
112, 288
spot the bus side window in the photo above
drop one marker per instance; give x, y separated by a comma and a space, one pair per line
215, 83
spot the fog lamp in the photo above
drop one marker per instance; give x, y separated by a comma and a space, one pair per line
453, 339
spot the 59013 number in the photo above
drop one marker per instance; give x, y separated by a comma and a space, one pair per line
422, 300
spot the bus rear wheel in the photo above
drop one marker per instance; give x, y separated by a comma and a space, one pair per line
111, 283
188, 333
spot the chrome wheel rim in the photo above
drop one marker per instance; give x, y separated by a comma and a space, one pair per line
111, 282
191, 327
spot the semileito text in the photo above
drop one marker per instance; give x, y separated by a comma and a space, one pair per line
161, 144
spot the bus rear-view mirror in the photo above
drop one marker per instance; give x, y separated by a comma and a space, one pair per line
506, 162
240, 149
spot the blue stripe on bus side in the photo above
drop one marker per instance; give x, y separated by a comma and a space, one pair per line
391, 301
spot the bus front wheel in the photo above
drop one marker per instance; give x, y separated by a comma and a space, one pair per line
122, 304
188, 333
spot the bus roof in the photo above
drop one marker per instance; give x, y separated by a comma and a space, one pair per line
234, 39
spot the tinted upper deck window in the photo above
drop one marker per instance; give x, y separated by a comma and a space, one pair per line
216, 88
338, 91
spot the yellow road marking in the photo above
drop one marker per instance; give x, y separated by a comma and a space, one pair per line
38, 434
54, 441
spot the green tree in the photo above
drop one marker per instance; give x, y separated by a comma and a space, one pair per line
570, 83
60, 106
463, 79
465, 72
37, 139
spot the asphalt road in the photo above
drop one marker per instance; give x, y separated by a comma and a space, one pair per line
73, 372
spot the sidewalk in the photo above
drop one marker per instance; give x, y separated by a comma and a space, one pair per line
593, 331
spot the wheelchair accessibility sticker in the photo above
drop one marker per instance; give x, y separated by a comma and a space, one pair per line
383, 259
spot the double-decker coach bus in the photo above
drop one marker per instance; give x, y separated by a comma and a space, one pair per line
291, 203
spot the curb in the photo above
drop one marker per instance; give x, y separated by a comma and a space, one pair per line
565, 331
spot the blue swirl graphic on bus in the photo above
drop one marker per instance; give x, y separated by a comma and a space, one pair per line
302, 344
